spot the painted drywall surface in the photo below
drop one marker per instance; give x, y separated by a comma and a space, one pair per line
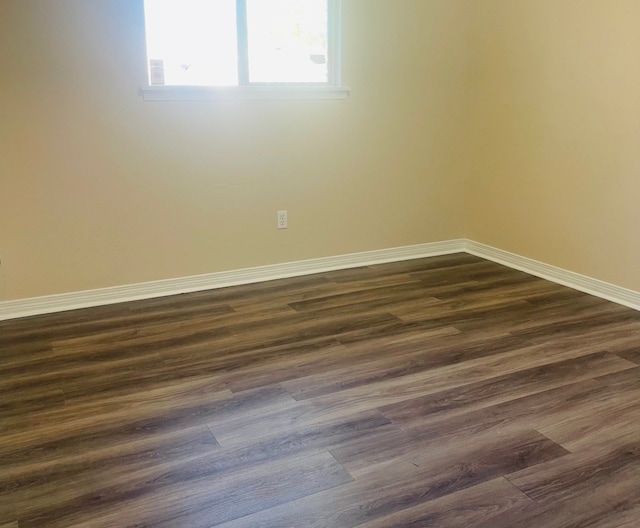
98, 188
555, 119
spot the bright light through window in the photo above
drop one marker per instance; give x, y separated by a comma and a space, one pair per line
238, 42
288, 40
192, 42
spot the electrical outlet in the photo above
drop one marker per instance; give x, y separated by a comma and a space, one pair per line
283, 222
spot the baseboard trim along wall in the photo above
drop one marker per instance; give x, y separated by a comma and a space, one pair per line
148, 290
573, 280
163, 288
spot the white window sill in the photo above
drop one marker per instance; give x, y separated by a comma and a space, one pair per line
239, 93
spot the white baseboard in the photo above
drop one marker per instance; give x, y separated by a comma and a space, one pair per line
163, 288
573, 280
85, 299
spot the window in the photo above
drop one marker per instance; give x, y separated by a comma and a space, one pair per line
243, 48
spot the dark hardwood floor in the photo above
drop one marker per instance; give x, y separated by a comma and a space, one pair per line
440, 392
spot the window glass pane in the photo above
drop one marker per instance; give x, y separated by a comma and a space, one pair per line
192, 42
287, 40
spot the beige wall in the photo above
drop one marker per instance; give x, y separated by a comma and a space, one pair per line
555, 152
98, 188
527, 109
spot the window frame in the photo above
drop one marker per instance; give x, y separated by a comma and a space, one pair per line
247, 90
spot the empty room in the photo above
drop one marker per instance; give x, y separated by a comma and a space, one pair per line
319, 263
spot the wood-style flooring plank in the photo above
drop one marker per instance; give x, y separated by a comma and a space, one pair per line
419, 360
315, 356
605, 415
504, 388
591, 488
189, 497
631, 354
413, 479
518, 413
608, 427
427, 382
447, 391
462, 509
577, 473
62, 437
25, 487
